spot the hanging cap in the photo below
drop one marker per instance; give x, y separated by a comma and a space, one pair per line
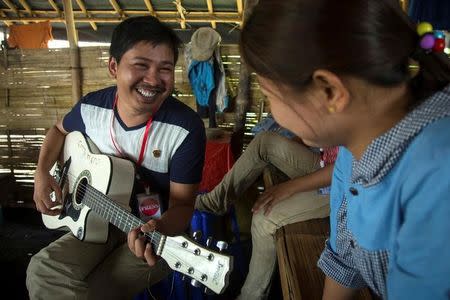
203, 43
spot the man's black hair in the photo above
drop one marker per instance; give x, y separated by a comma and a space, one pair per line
138, 29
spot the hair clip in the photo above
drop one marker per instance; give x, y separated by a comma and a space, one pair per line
430, 40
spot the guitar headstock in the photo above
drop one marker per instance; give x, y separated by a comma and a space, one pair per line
208, 267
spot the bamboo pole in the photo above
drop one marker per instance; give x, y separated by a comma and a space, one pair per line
243, 97
74, 50
209, 3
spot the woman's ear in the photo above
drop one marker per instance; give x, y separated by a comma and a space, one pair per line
112, 66
336, 93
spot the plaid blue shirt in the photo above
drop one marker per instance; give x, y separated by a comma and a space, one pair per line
390, 211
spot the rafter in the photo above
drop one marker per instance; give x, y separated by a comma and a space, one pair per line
181, 11
211, 11
150, 7
26, 7
83, 9
55, 7
162, 13
117, 8
199, 18
2, 14
14, 9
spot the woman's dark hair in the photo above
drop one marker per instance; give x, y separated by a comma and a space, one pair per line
286, 41
138, 29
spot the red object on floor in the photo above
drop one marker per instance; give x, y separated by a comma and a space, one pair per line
218, 161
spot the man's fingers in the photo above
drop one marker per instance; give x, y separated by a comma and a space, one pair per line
57, 189
148, 254
131, 238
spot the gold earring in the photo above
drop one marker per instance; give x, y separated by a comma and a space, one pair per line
331, 109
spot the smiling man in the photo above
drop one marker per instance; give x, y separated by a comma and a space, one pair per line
137, 119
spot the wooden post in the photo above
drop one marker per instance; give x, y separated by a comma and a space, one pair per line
243, 97
5, 59
405, 5
74, 50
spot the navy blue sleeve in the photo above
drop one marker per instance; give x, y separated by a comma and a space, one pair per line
73, 121
187, 163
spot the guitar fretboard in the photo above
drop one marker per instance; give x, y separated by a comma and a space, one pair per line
115, 214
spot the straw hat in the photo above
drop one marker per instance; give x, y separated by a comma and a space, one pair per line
203, 43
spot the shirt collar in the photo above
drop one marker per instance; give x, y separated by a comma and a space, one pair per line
382, 154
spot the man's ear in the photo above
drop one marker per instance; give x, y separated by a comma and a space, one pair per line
112, 66
336, 93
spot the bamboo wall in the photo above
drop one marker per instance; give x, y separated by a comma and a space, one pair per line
35, 91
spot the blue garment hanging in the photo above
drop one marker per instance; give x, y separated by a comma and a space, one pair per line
201, 77
436, 12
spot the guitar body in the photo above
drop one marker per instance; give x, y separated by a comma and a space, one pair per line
109, 175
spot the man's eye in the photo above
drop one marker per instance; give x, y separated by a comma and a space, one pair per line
141, 66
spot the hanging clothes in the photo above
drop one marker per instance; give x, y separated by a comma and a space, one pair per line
206, 73
30, 36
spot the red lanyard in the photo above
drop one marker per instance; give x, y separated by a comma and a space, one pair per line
144, 138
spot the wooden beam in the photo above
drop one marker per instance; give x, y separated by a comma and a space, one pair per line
181, 12
55, 7
190, 19
150, 7
26, 7
83, 8
74, 50
405, 5
172, 13
3, 15
14, 9
117, 8
240, 9
211, 11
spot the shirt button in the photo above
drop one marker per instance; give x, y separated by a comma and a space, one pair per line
353, 191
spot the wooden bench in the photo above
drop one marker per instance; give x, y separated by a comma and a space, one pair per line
299, 246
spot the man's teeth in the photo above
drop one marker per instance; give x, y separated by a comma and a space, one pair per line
146, 93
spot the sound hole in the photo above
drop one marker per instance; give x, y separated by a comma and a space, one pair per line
81, 190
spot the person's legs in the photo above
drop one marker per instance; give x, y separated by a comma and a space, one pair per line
59, 271
300, 207
292, 158
71, 269
122, 276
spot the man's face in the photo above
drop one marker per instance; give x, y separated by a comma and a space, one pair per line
145, 77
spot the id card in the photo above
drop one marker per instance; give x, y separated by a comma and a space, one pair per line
149, 206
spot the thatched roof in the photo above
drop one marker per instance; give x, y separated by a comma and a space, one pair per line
94, 19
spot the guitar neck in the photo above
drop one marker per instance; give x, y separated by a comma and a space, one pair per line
116, 215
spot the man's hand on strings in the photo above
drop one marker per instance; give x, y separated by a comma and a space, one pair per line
140, 245
44, 185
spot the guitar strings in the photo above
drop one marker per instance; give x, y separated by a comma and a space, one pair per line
114, 207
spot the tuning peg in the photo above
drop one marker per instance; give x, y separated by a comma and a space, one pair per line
209, 241
208, 291
197, 235
195, 283
222, 245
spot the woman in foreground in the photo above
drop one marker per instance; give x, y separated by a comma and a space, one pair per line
337, 73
